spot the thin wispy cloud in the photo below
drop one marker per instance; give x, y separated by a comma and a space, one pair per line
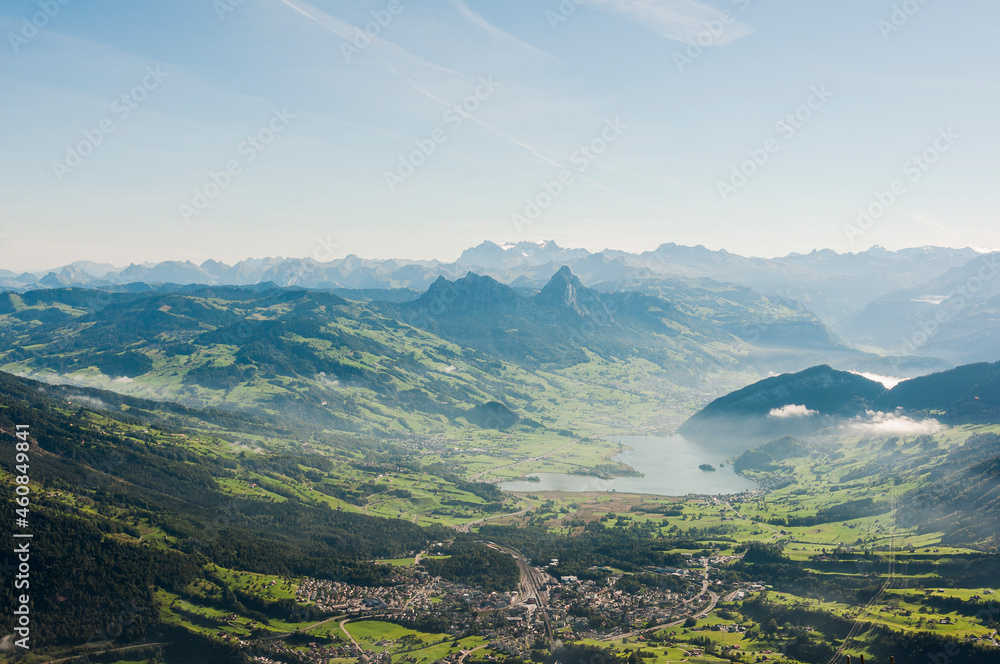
940, 226
348, 32
536, 153
345, 70
498, 33
682, 20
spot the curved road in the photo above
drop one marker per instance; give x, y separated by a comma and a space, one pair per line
344, 630
104, 652
701, 614
713, 601
518, 463
466, 653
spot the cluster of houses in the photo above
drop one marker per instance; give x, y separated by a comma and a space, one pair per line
322, 654
510, 621
627, 610
463, 609
989, 640
416, 595
409, 592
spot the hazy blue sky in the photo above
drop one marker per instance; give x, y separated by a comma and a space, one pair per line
672, 120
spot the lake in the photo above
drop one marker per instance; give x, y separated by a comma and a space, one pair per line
669, 462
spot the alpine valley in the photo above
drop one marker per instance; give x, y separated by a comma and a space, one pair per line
296, 460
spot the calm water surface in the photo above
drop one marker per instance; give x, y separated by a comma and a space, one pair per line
671, 468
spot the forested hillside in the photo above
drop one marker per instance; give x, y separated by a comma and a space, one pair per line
124, 503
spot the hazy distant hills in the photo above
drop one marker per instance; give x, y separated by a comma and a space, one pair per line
780, 314
398, 360
880, 299
565, 321
953, 316
801, 403
832, 285
684, 328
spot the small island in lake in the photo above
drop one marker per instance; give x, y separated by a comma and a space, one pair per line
707, 467
608, 471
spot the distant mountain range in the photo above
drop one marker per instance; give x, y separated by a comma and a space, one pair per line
953, 316
798, 404
400, 360
880, 299
831, 284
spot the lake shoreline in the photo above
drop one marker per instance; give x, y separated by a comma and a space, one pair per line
671, 467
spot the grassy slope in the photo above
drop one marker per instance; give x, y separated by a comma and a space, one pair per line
372, 359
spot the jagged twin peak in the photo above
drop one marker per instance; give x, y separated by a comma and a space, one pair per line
475, 294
